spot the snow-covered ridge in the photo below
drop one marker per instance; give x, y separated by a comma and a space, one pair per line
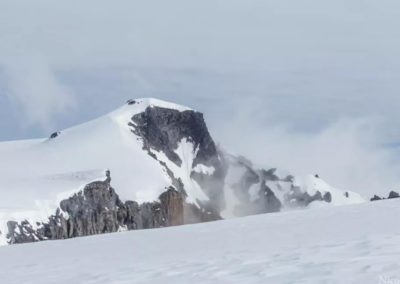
311, 184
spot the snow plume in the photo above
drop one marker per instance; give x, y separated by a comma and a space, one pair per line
348, 153
32, 85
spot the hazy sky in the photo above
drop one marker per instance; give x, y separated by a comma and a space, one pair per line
312, 85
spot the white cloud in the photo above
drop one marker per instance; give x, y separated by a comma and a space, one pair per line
307, 63
33, 85
348, 153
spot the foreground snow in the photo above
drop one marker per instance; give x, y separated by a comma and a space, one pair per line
345, 244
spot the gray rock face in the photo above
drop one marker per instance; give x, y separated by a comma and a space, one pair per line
327, 197
299, 198
54, 135
267, 201
252, 188
21, 233
98, 209
163, 129
93, 211
393, 194
303, 199
376, 198
250, 177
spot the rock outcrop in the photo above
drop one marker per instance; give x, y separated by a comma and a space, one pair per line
162, 129
300, 198
392, 195
97, 209
376, 198
264, 191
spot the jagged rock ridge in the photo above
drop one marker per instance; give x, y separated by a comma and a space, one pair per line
98, 209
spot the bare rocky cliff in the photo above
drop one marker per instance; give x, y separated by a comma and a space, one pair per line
98, 209
162, 130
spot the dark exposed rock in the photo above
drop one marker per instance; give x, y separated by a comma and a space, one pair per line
92, 212
270, 202
194, 214
255, 196
266, 203
97, 209
249, 178
130, 215
131, 102
151, 214
269, 175
299, 198
172, 207
393, 194
163, 129
54, 135
327, 197
375, 198
20, 233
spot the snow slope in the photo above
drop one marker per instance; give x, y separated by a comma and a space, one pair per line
312, 184
346, 244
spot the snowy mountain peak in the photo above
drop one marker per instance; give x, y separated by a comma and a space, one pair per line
153, 102
135, 106
161, 157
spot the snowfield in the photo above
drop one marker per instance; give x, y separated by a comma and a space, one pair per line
357, 243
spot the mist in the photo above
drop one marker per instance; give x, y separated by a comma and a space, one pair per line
348, 154
307, 90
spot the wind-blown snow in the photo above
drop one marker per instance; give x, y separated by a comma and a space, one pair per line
202, 169
348, 244
37, 174
281, 188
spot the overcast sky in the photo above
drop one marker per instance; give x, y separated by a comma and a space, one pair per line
311, 85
